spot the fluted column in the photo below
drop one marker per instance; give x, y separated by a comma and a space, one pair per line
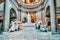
29, 19
7, 15
52, 13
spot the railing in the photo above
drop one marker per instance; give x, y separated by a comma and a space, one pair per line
58, 10
31, 10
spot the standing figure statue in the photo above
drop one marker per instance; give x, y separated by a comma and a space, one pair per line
12, 28
16, 25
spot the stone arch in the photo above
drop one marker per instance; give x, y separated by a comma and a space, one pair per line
33, 17
48, 18
13, 14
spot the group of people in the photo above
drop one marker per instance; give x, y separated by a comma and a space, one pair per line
40, 26
14, 26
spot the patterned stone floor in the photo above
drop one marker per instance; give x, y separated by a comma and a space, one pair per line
29, 33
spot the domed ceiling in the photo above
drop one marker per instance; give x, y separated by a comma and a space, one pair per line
30, 5
28, 1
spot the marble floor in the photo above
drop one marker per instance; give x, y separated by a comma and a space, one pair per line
29, 33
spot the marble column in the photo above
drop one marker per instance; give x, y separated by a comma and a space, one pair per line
52, 13
19, 17
7, 16
29, 19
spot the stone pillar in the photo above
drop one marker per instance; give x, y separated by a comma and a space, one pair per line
29, 19
19, 17
7, 15
44, 15
52, 13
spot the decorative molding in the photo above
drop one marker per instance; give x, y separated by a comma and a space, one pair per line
32, 10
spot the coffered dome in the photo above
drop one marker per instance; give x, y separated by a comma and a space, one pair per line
30, 3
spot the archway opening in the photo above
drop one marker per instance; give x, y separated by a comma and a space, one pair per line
48, 18
24, 18
1, 26
33, 17
1, 22
57, 22
12, 15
